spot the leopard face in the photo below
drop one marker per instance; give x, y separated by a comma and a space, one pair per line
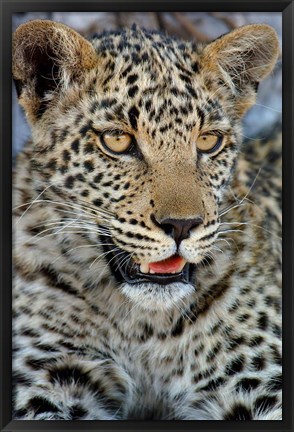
140, 133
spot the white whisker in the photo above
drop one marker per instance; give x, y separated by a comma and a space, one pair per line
227, 209
82, 246
32, 202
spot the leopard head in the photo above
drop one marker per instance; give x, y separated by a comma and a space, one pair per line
142, 130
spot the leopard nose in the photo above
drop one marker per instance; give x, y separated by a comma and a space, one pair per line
179, 229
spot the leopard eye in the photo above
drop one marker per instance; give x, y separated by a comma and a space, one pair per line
117, 142
209, 143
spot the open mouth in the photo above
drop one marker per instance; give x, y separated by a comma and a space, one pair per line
170, 270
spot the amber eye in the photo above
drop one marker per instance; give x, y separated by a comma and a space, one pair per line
208, 143
117, 142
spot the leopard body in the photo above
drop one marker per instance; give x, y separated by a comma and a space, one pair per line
87, 344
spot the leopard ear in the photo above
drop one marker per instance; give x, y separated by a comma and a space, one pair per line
244, 57
47, 57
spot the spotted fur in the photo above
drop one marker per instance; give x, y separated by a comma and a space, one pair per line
87, 345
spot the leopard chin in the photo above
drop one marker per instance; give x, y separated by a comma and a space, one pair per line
154, 296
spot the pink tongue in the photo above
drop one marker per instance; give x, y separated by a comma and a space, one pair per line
168, 265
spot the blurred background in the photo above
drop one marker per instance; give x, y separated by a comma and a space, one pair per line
199, 26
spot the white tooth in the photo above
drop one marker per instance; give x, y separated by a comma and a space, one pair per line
152, 271
182, 266
144, 268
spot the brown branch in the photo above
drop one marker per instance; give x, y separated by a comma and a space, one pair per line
160, 21
190, 28
230, 22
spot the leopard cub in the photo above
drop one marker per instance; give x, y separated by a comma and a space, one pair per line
147, 252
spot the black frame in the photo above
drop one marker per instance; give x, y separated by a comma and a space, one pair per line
7, 9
